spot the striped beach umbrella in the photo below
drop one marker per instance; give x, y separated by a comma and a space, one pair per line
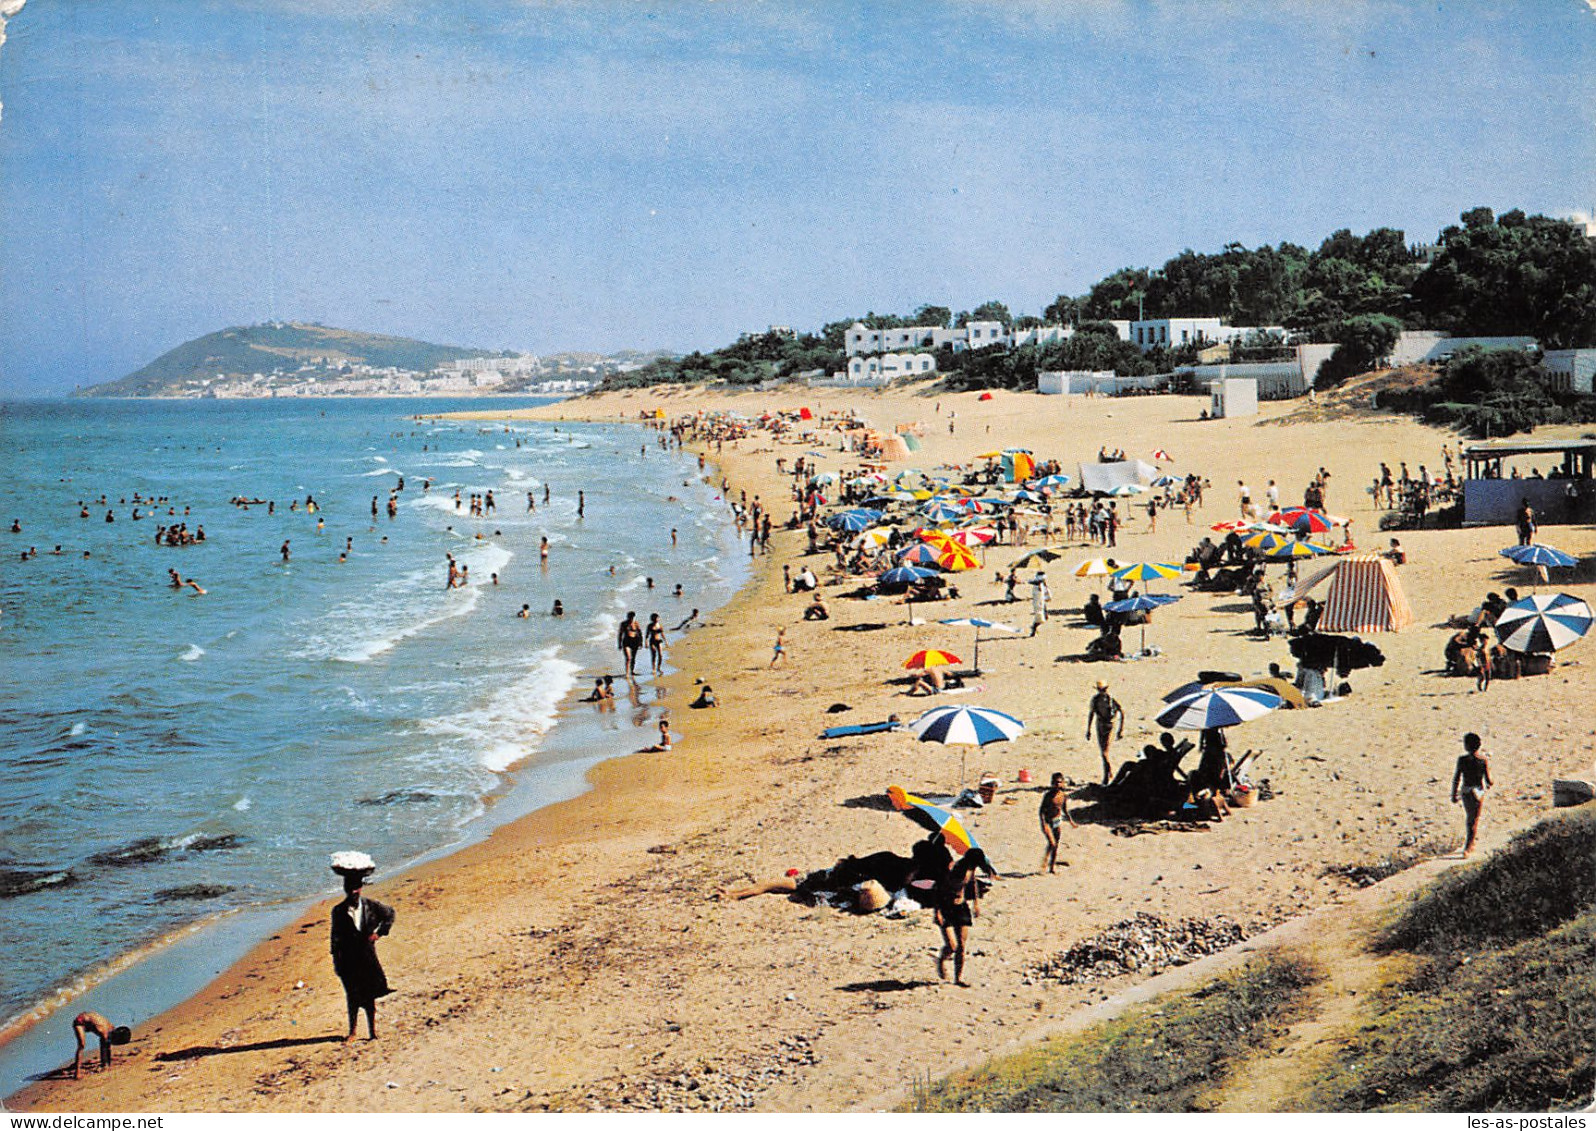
1218, 707
1041, 554
851, 521
930, 658
978, 623
1148, 571
1096, 567
1304, 520
943, 510
919, 554
1266, 540
1539, 556
1543, 622
904, 575
966, 726
1295, 549
972, 536
953, 557
1051, 482
933, 818
1125, 490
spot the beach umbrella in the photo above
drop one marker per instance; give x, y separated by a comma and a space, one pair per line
953, 557
1143, 603
827, 477
933, 818
1018, 466
919, 554
1218, 707
1125, 489
1165, 481
972, 536
1161, 456
1232, 526
1041, 554
930, 658
874, 539
904, 575
1304, 520
1096, 567
966, 726
1266, 540
1029, 497
1295, 549
851, 521
987, 455
940, 510
1539, 556
1543, 623
876, 502
978, 623
1051, 482
1149, 571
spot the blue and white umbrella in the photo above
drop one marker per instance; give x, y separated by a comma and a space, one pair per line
1218, 707
1144, 602
853, 521
1539, 556
1543, 623
1051, 482
966, 726
1165, 481
905, 575
978, 623
940, 510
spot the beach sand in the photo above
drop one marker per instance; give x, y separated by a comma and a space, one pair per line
575, 959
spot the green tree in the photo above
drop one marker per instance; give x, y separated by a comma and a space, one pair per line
1365, 340
928, 315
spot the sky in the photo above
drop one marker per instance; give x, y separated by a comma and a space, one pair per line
606, 175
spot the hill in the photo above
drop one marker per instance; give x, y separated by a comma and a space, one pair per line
285, 346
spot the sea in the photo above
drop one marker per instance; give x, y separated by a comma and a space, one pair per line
173, 758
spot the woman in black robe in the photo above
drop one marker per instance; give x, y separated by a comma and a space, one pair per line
357, 924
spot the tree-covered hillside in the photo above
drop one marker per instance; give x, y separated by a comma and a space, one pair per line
1488, 275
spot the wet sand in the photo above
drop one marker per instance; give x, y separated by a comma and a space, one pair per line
576, 960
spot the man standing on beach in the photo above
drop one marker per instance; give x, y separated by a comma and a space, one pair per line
1469, 782
1039, 598
1100, 713
357, 923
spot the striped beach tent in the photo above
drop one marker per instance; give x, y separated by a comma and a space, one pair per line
1365, 595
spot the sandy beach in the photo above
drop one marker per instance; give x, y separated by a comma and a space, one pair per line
577, 960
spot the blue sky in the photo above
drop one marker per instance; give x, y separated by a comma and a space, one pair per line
607, 175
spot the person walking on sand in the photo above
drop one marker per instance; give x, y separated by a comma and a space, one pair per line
357, 924
1053, 812
1100, 714
86, 1023
629, 639
1040, 594
1469, 782
779, 649
958, 905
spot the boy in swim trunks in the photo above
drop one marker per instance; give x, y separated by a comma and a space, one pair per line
1469, 782
85, 1023
1054, 811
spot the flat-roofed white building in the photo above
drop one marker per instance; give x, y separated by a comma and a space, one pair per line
1172, 333
1573, 371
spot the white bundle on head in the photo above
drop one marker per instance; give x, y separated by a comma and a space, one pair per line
346, 862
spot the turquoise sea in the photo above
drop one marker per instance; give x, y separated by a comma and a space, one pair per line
170, 756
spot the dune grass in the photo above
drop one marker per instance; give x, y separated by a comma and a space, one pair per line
1160, 1057
1496, 1014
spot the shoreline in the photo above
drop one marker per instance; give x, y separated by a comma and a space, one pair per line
169, 969
592, 914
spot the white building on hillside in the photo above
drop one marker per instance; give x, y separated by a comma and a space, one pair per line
1172, 333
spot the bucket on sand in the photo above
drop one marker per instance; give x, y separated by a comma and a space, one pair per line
1024, 776
988, 790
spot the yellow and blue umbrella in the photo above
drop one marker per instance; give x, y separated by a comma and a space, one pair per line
933, 818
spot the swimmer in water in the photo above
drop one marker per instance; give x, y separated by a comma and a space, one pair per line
559, 608
284, 551
526, 612
543, 548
